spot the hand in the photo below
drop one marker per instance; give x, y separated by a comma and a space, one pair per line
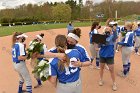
34, 55
76, 63
97, 49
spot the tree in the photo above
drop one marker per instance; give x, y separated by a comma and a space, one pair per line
61, 12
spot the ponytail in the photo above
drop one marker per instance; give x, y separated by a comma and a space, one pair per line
14, 37
77, 32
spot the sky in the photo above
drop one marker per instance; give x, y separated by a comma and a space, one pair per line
13, 3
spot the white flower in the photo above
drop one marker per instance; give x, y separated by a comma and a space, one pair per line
39, 70
31, 47
42, 63
41, 75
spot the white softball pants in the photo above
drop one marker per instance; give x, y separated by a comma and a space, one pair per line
23, 73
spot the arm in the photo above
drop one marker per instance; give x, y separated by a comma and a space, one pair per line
53, 80
81, 64
51, 55
22, 57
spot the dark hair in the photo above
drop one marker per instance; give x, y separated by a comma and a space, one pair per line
14, 37
77, 31
94, 24
42, 35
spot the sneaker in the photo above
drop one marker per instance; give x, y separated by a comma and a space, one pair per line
37, 86
121, 74
101, 83
114, 87
138, 53
97, 67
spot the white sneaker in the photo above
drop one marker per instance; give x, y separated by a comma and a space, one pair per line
101, 83
138, 53
121, 74
97, 67
114, 87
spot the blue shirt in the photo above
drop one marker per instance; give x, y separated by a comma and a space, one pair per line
18, 50
107, 50
137, 32
70, 27
128, 40
43, 52
53, 50
91, 34
118, 29
69, 74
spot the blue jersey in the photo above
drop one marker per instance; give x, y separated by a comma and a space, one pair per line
18, 50
128, 40
84, 53
118, 29
137, 32
91, 34
53, 50
43, 52
123, 29
107, 50
69, 74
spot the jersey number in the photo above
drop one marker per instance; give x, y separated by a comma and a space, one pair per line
14, 53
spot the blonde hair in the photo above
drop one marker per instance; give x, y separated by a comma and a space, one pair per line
131, 25
60, 43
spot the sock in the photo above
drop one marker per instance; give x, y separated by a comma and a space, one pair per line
136, 49
39, 82
29, 89
97, 62
125, 68
128, 66
20, 87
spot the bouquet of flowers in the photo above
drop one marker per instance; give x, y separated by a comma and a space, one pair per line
34, 47
42, 70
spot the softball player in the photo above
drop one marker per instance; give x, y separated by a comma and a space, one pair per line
70, 27
137, 39
65, 73
72, 43
39, 39
19, 57
106, 54
127, 48
94, 50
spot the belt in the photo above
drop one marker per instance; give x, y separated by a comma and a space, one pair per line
62, 82
19, 61
66, 82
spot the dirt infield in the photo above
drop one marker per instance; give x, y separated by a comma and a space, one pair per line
90, 77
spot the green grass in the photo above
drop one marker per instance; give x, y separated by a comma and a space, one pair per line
4, 31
